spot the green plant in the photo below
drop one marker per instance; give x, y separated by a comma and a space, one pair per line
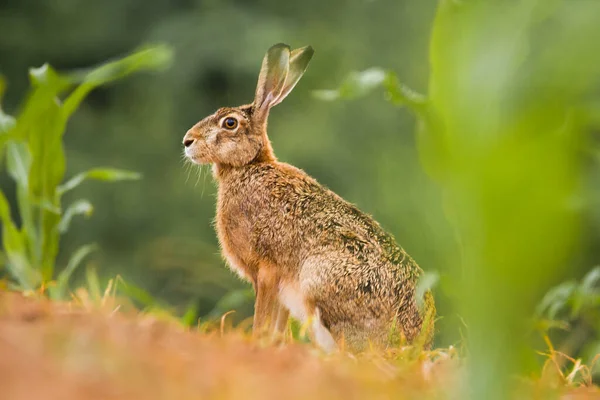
32, 144
501, 132
569, 314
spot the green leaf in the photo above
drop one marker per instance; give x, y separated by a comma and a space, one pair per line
14, 246
359, 84
62, 282
426, 282
18, 162
590, 282
101, 174
7, 123
556, 300
138, 294
401, 95
231, 301
149, 58
79, 207
356, 84
93, 284
47, 76
191, 314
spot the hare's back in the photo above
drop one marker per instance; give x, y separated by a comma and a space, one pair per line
325, 222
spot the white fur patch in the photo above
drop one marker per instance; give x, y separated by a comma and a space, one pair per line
322, 335
291, 297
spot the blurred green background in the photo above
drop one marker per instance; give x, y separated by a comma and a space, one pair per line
157, 232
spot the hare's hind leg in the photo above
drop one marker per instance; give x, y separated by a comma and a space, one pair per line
321, 334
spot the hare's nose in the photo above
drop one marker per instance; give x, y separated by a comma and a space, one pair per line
188, 142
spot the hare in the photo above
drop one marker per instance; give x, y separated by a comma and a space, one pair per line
305, 250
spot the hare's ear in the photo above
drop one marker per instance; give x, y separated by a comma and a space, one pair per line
272, 77
299, 60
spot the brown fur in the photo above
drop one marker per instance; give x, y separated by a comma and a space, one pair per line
281, 230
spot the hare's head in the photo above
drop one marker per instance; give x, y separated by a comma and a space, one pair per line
237, 136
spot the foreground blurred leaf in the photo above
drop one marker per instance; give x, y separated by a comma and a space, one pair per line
502, 142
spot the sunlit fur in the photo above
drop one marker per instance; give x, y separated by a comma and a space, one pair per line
304, 249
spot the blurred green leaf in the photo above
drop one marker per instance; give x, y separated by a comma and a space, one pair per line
14, 246
18, 163
7, 123
190, 317
79, 207
556, 300
138, 294
427, 281
149, 58
359, 84
48, 77
93, 284
101, 174
62, 282
231, 301
356, 84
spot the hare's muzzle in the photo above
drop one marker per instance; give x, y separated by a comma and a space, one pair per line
188, 139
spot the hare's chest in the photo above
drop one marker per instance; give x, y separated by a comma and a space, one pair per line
235, 231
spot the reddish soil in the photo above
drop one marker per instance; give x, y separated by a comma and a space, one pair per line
62, 351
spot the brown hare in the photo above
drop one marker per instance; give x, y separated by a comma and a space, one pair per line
305, 250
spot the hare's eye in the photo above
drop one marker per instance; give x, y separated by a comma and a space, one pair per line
230, 123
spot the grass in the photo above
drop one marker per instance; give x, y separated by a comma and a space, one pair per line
106, 349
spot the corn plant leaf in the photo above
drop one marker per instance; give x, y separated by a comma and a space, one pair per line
100, 174
356, 84
62, 282
79, 207
149, 58
359, 84
16, 253
18, 165
7, 123
18, 162
42, 126
47, 76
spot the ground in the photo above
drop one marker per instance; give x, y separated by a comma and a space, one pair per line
69, 351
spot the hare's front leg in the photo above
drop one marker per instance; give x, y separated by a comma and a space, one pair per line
283, 316
266, 306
